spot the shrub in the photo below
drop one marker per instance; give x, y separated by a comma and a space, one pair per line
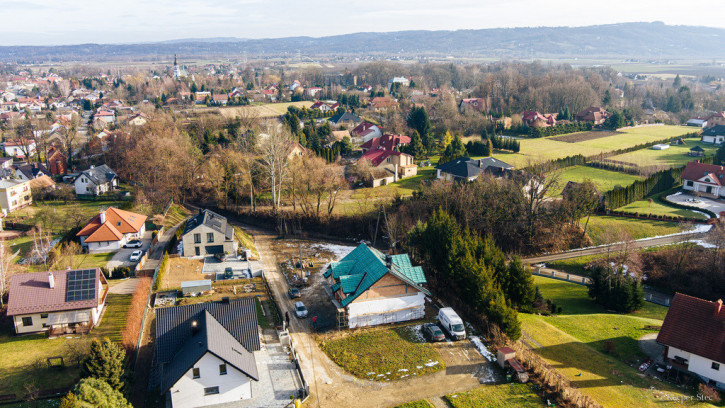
105, 362
162, 270
135, 314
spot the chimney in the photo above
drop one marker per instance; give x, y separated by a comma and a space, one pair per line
718, 307
225, 300
51, 281
93, 167
103, 216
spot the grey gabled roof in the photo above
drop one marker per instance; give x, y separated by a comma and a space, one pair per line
717, 130
211, 220
462, 167
211, 337
100, 174
493, 162
345, 117
174, 328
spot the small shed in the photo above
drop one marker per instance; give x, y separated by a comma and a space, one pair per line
662, 146
194, 288
506, 357
697, 151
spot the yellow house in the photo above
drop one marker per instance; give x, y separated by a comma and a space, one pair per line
14, 194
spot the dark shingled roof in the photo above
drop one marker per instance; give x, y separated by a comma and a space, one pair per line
211, 220
696, 326
345, 117
100, 174
174, 329
210, 337
464, 167
717, 130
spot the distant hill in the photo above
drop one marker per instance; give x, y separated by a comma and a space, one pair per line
638, 40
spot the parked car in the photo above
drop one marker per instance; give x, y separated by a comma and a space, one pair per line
300, 310
136, 243
451, 323
432, 332
135, 256
294, 293
221, 256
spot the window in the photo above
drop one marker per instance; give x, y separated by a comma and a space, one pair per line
27, 321
209, 237
198, 252
211, 390
197, 238
689, 183
195, 373
715, 366
44, 315
222, 369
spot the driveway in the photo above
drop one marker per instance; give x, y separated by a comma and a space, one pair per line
121, 257
217, 267
716, 206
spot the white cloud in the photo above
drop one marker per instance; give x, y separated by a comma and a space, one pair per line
104, 21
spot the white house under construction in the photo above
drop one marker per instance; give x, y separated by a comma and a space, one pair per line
371, 288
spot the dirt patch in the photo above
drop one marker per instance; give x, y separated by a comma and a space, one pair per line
181, 270
584, 136
233, 289
295, 257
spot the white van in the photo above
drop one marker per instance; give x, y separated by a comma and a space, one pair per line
451, 323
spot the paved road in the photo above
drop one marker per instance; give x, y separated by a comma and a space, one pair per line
642, 243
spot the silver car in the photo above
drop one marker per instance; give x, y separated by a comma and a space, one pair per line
300, 310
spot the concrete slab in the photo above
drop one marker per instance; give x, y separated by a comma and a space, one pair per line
716, 206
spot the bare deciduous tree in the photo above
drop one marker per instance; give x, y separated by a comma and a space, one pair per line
275, 148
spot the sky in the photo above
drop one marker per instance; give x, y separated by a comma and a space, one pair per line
55, 22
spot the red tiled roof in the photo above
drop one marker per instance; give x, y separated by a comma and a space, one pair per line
386, 142
31, 293
696, 170
696, 326
118, 222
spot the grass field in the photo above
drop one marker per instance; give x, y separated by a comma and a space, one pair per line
416, 404
573, 343
543, 149
268, 110
604, 180
175, 215
383, 354
676, 155
497, 396
603, 229
246, 241
20, 354
645, 207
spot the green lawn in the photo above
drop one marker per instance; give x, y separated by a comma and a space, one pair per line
19, 353
574, 265
175, 215
545, 148
604, 180
573, 343
416, 404
604, 229
246, 240
497, 396
656, 208
383, 354
676, 155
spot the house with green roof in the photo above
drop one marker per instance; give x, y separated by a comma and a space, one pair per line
371, 288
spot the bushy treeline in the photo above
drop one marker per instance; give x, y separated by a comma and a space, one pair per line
474, 270
615, 288
565, 128
656, 183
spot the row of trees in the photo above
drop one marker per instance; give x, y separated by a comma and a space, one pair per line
462, 263
615, 287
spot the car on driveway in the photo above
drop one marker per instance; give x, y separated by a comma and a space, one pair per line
294, 293
300, 310
136, 243
432, 332
135, 256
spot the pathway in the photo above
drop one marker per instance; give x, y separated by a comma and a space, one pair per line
127, 287
611, 248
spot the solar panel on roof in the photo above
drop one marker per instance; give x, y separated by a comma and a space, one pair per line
80, 285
